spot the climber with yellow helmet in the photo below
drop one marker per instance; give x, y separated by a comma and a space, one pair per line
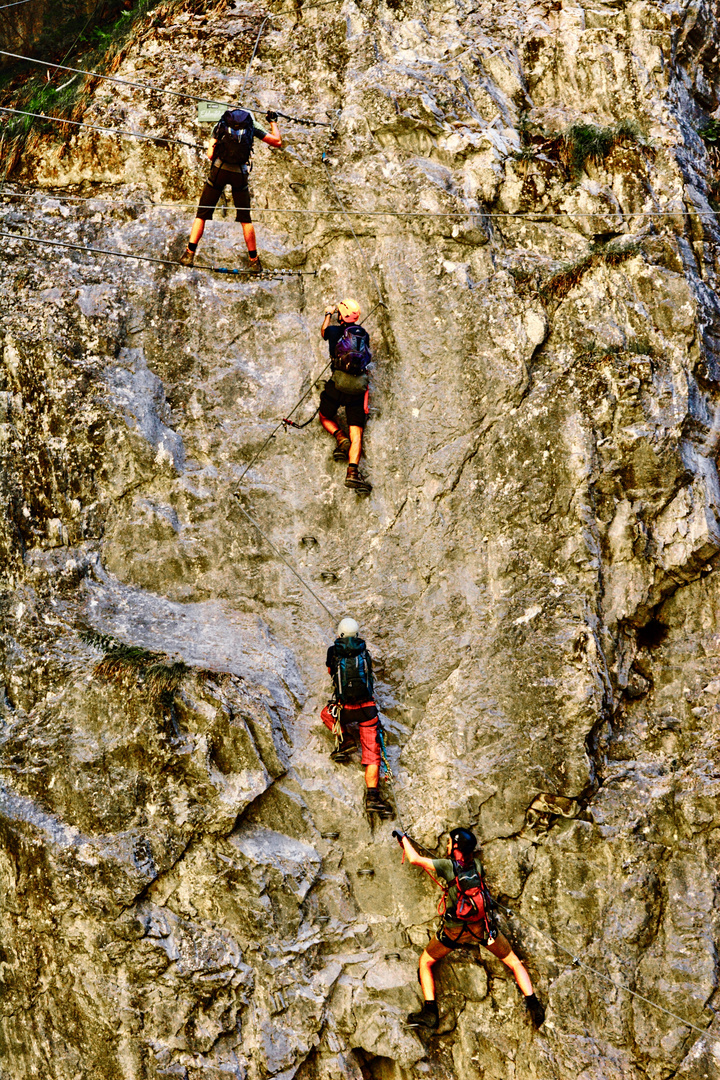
347, 388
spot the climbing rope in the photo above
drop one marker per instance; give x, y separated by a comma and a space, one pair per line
144, 86
283, 422
260, 274
97, 127
263, 24
282, 558
533, 215
577, 962
389, 773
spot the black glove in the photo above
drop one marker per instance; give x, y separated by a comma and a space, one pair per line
271, 115
398, 836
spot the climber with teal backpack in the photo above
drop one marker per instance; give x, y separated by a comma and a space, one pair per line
352, 713
347, 388
467, 918
230, 151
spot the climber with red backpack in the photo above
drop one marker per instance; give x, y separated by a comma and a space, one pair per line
467, 918
352, 714
349, 345
230, 150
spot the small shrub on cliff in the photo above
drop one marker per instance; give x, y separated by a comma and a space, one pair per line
129, 665
586, 142
710, 134
560, 283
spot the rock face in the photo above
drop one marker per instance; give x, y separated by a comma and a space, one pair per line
189, 887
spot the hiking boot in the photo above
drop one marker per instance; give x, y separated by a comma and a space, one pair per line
344, 751
340, 453
255, 265
187, 258
376, 804
536, 1010
426, 1017
353, 479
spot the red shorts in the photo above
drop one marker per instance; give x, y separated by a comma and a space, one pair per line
363, 718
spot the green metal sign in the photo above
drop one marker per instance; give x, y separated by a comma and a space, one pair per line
209, 112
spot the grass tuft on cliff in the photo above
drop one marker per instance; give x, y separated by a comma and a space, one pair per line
573, 149
130, 665
586, 142
559, 284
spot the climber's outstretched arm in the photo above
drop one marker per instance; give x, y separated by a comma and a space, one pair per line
414, 857
273, 138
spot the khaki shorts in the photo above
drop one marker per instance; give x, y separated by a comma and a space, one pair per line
500, 947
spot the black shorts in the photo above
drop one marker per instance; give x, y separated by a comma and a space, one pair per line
214, 187
355, 405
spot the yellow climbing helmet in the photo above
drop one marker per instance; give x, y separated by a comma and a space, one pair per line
349, 310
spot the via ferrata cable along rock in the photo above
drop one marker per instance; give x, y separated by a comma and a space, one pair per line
254, 274
150, 88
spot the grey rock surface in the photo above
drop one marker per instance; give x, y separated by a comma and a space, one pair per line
185, 885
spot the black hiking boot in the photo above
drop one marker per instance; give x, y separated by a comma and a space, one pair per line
187, 258
536, 1010
375, 804
353, 479
340, 453
427, 1017
344, 751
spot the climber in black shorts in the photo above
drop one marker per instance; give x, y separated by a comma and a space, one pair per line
468, 921
229, 150
349, 345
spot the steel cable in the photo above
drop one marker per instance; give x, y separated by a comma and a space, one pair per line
531, 215
359, 245
145, 86
254, 52
275, 430
260, 275
600, 975
97, 127
282, 558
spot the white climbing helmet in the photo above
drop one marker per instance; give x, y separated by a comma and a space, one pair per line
348, 628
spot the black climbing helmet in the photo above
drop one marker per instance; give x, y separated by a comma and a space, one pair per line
463, 841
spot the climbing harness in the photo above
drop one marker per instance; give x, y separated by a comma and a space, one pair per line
143, 86
97, 127
263, 275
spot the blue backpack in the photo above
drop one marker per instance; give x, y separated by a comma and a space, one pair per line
353, 671
352, 352
234, 132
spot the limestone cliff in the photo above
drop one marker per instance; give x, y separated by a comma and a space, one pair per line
188, 887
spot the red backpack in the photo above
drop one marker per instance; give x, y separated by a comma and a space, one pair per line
474, 903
